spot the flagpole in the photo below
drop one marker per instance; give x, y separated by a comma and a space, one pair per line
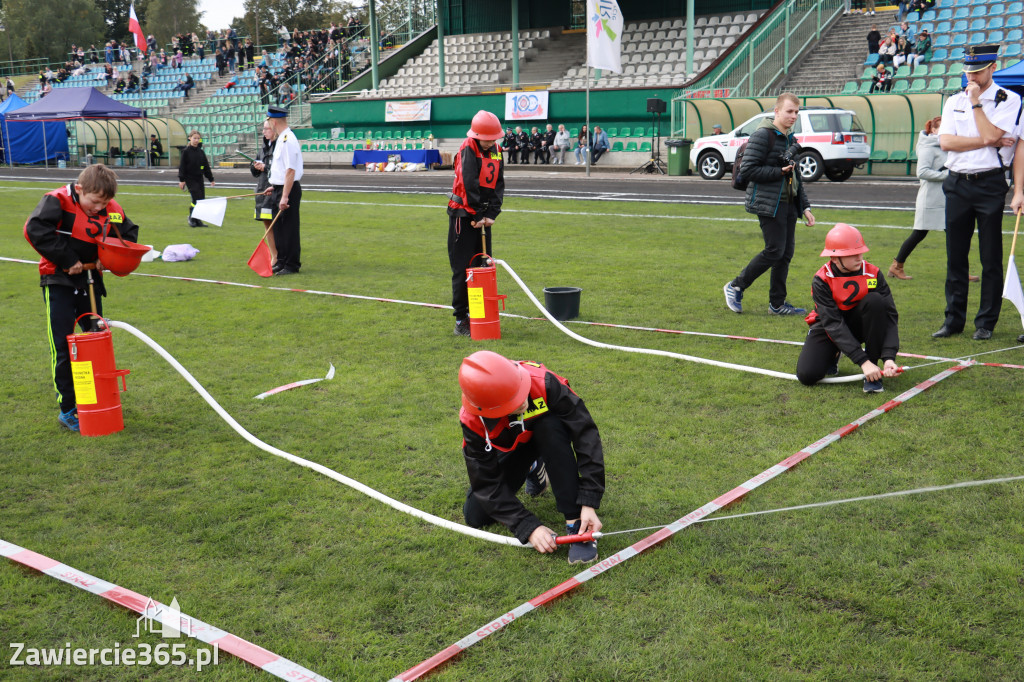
587, 137
1016, 226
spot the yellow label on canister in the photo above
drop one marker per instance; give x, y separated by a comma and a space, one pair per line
476, 303
85, 385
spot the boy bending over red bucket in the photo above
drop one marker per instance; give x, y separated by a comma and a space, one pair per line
522, 423
64, 228
852, 305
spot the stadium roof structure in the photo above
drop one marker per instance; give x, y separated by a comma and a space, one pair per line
1011, 77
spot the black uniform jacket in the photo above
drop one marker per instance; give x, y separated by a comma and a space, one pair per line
194, 165
485, 477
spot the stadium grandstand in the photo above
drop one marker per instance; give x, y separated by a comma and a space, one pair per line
704, 62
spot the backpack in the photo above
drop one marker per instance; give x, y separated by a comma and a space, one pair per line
738, 181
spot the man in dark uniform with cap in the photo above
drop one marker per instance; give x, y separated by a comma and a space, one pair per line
978, 130
285, 174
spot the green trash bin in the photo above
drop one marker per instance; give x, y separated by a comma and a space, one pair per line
678, 156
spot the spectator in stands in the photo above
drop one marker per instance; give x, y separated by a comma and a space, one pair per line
525, 147
121, 84
250, 54
231, 56
869, 7
94, 55
561, 145
922, 49
537, 145
185, 84
887, 51
904, 53
179, 59
126, 55
156, 150
846, 6
147, 69
601, 144
108, 73
882, 80
874, 38
583, 141
47, 89
902, 7
510, 143
49, 75
716, 129
144, 84
930, 212
285, 94
151, 43
906, 32
283, 36
133, 83
222, 62
547, 142
10, 86
108, 52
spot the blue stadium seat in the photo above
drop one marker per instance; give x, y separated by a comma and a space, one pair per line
994, 37
976, 39
1015, 35
941, 40
872, 59
959, 26
944, 3
929, 15
1014, 21
995, 22
979, 11
1013, 50
1015, 8
961, 3
958, 40
961, 13
943, 27
977, 25
927, 26
956, 54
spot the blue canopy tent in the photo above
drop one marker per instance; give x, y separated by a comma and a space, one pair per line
30, 142
67, 104
1011, 78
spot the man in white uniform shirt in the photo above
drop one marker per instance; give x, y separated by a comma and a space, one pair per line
286, 195
979, 129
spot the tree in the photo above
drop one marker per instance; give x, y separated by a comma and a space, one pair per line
165, 18
115, 16
263, 18
48, 28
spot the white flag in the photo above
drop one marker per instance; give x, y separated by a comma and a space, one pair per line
211, 210
1011, 288
604, 35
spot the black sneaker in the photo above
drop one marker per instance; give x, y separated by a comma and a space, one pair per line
537, 479
580, 552
461, 327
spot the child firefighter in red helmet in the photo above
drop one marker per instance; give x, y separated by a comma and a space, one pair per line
473, 205
522, 423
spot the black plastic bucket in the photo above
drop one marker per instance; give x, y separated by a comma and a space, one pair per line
562, 302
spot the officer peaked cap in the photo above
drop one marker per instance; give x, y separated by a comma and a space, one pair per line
277, 112
977, 57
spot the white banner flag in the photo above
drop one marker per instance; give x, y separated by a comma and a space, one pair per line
211, 210
604, 35
1011, 288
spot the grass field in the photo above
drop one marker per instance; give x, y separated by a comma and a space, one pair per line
926, 587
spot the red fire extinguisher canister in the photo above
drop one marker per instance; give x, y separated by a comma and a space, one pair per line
482, 287
95, 376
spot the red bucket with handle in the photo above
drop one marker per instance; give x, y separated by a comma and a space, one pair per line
95, 376
482, 287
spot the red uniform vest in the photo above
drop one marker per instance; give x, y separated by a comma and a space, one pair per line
846, 290
537, 405
490, 165
82, 226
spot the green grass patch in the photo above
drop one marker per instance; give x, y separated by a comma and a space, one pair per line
923, 587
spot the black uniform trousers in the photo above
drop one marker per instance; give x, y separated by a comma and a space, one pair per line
286, 229
196, 190
63, 305
463, 243
970, 202
868, 321
779, 233
550, 443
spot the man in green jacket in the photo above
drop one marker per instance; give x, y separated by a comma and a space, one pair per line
776, 195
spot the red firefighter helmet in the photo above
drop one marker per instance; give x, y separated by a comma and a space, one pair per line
485, 126
492, 385
844, 240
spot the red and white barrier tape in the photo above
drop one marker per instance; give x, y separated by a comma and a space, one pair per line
296, 384
668, 531
508, 315
155, 611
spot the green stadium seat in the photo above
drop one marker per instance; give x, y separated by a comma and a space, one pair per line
419, 145
918, 85
617, 146
645, 146
574, 133
938, 69
897, 157
936, 84
953, 83
417, 134
877, 156
625, 132
387, 134
350, 135
631, 146
613, 132
903, 72
377, 135
323, 147
901, 86
408, 145
869, 73
865, 88
350, 147
850, 88
305, 147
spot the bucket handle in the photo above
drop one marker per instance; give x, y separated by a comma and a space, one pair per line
484, 254
122, 373
106, 227
100, 317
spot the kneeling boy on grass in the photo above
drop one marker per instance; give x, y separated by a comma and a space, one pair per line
852, 305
